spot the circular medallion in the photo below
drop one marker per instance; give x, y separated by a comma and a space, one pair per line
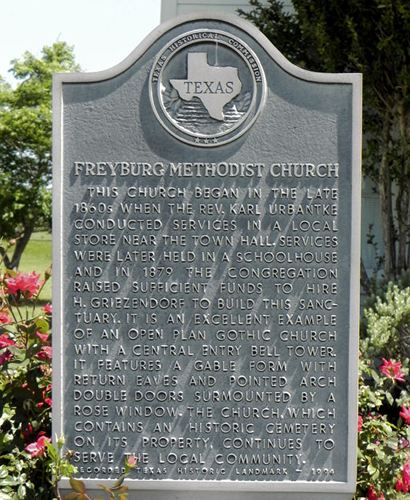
207, 87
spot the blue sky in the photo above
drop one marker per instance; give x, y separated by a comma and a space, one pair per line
103, 32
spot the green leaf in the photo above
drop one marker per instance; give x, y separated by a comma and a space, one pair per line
9, 482
392, 443
67, 469
77, 496
389, 398
104, 488
60, 442
42, 325
371, 469
120, 489
118, 483
77, 485
74, 496
3, 471
52, 452
21, 491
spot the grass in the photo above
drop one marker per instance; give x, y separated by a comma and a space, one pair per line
37, 257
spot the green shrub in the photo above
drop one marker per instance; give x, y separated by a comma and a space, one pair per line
387, 331
384, 401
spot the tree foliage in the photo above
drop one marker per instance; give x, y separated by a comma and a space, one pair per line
371, 37
25, 144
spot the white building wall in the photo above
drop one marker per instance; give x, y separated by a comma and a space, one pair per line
172, 8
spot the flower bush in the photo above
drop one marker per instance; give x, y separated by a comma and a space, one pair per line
25, 387
30, 465
384, 400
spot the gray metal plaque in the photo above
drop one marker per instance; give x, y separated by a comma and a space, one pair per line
206, 223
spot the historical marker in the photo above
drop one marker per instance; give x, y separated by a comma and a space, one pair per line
206, 232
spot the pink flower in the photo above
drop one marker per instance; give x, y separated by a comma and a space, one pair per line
400, 486
405, 414
392, 370
373, 495
403, 483
4, 318
28, 431
37, 448
6, 356
48, 309
359, 423
43, 337
26, 283
131, 461
46, 400
406, 473
404, 443
45, 353
5, 341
